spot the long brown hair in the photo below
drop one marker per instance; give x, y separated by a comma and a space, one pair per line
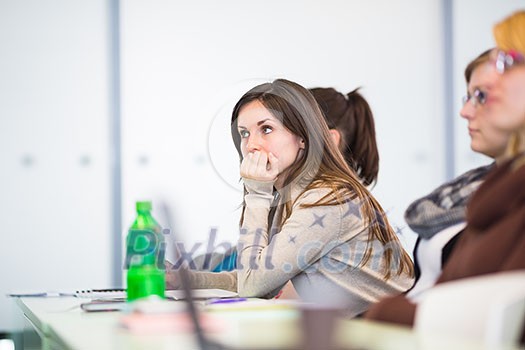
321, 165
352, 117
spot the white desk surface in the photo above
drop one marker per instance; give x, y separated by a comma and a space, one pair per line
62, 324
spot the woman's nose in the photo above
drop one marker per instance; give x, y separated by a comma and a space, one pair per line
253, 144
467, 111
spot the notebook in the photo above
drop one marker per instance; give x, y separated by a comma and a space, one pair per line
120, 294
102, 294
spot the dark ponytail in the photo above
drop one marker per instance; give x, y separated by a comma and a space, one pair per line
353, 118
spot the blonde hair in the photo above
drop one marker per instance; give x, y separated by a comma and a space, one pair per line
510, 35
510, 32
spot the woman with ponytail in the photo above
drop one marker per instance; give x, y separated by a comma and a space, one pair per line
351, 124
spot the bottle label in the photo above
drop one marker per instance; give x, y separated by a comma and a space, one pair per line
144, 247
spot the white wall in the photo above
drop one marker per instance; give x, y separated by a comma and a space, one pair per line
184, 64
54, 148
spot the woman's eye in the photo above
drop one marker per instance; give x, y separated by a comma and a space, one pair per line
267, 129
244, 133
481, 96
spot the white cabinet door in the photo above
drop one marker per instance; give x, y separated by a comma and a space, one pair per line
54, 147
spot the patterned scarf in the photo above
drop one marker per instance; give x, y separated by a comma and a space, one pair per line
446, 205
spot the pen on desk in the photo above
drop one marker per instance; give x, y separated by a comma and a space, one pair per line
225, 301
40, 294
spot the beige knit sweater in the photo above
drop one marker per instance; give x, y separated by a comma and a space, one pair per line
319, 249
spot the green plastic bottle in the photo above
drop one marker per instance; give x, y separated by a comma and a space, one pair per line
144, 245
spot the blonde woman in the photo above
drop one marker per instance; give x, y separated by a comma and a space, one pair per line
508, 95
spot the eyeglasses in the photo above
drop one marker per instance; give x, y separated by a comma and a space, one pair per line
478, 98
505, 60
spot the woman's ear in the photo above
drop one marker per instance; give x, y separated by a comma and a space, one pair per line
302, 143
336, 136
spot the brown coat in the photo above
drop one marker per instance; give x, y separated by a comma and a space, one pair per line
493, 241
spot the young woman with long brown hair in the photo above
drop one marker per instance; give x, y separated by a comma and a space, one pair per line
306, 217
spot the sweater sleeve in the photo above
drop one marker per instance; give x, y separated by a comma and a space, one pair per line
309, 233
223, 280
203, 279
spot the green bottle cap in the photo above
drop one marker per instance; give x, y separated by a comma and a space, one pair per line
144, 206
